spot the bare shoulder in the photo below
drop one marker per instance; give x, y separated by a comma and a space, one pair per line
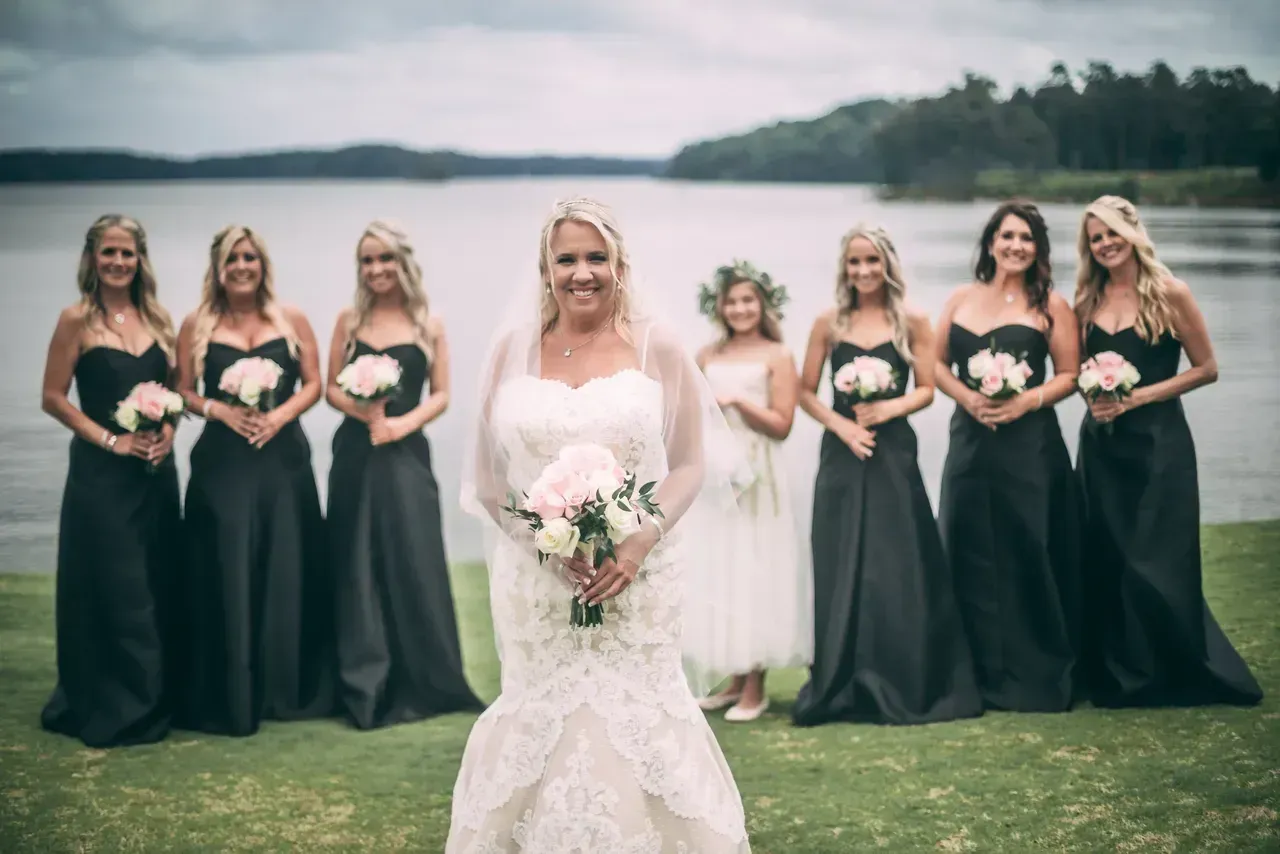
704, 354
1059, 308
435, 326
780, 354
917, 318
293, 314
959, 294
1179, 291
823, 323
72, 314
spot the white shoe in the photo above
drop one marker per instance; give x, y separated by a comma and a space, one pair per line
739, 715
716, 702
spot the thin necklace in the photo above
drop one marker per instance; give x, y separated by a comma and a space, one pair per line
568, 351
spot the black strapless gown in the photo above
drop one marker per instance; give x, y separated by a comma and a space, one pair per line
889, 646
1010, 513
399, 658
118, 558
1153, 641
260, 602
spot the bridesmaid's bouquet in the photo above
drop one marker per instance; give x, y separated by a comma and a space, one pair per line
251, 382
583, 502
147, 408
866, 378
1108, 373
997, 374
370, 378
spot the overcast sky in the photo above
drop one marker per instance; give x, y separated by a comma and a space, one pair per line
611, 77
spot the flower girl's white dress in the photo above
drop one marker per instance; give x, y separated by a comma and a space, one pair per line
760, 580
596, 743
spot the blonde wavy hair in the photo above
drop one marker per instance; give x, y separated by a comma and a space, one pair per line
894, 284
142, 290
600, 217
213, 297
1155, 314
409, 274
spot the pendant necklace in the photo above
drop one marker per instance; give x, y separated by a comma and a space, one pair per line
568, 351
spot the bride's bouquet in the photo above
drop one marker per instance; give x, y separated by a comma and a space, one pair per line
147, 408
370, 378
1108, 373
997, 374
584, 502
866, 378
251, 382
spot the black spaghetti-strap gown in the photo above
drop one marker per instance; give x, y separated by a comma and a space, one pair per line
889, 646
1010, 513
1152, 640
399, 658
118, 557
260, 602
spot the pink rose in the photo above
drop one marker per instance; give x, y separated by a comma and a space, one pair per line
576, 491
1003, 361
545, 501
1110, 361
1025, 369
846, 379
1109, 380
992, 383
584, 459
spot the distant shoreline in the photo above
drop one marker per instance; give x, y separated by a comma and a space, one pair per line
1204, 188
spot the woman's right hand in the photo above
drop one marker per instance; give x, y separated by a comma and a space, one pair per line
240, 419
132, 445
859, 439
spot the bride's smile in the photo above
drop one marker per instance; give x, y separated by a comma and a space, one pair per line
583, 276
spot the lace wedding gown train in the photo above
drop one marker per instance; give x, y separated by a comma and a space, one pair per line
596, 743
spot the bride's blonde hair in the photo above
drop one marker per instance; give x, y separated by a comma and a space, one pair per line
1155, 314
213, 297
600, 217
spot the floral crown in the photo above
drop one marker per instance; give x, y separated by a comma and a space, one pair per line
740, 271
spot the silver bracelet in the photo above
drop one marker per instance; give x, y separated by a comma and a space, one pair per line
658, 525
106, 434
204, 410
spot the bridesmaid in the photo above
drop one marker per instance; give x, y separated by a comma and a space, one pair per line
762, 587
118, 533
398, 654
1155, 642
889, 645
1010, 507
260, 606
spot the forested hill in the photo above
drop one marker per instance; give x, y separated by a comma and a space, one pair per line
1096, 120
357, 162
837, 147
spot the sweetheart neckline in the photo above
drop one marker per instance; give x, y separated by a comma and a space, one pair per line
592, 380
995, 328
128, 353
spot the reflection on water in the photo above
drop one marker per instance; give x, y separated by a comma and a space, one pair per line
478, 239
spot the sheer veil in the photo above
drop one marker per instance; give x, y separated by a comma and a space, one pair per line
704, 467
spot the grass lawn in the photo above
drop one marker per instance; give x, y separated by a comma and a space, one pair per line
1165, 780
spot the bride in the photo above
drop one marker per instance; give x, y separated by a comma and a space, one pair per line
596, 743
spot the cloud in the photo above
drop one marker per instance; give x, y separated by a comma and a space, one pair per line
630, 77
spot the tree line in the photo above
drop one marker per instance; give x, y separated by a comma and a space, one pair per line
1096, 120
354, 162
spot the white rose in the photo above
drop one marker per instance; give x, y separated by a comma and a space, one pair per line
622, 523
387, 375
557, 537
1016, 379
1089, 380
127, 417
980, 364
868, 381
250, 391
1130, 376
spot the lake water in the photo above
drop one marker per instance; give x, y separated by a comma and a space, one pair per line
478, 239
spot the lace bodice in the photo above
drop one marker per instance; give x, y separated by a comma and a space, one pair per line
588, 716
537, 417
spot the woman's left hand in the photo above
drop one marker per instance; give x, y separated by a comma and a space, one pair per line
1010, 409
161, 445
266, 426
1108, 409
386, 431
610, 579
872, 414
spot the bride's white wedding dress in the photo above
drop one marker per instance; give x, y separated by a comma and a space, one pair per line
596, 743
